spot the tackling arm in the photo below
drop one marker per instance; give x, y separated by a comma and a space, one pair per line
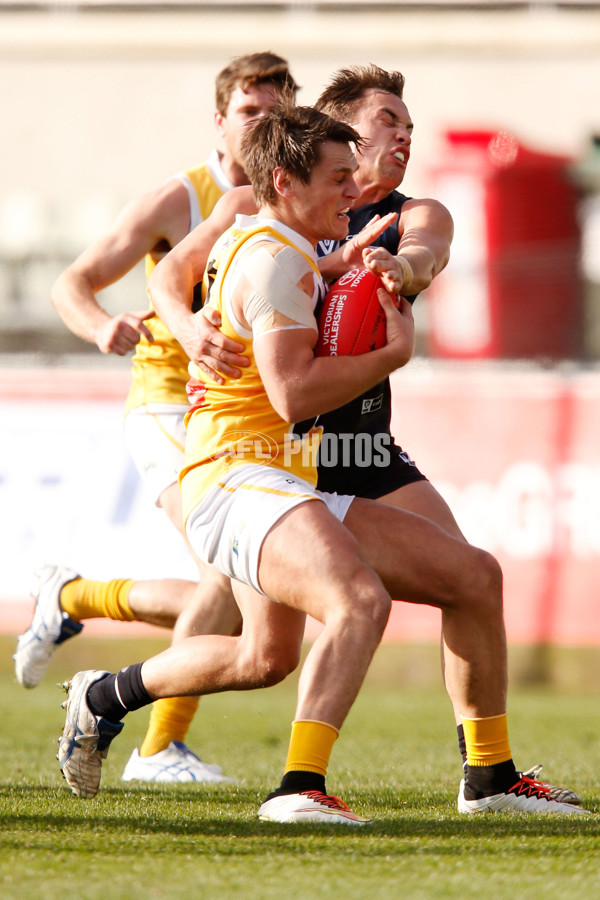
426, 231
171, 288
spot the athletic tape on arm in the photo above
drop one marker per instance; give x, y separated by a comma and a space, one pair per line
407, 272
276, 301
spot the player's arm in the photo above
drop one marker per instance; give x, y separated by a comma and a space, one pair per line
157, 219
171, 288
299, 384
426, 231
350, 254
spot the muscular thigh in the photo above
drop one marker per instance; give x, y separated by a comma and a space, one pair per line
235, 518
310, 561
417, 560
422, 498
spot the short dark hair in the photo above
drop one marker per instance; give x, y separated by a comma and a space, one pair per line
253, 68
290, 137
347, 88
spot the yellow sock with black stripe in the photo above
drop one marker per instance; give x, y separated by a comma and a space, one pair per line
85, 599
310, 747
487, 740
170, 720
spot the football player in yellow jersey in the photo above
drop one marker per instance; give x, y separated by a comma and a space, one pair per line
252, 511
371, 100
154, 424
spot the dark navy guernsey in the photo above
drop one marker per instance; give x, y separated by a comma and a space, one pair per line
358, 454
361, 217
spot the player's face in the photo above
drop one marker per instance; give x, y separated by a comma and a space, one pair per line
321, 206
245, 107
384, 121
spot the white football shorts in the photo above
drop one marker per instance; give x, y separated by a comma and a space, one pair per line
228, 527
155, 437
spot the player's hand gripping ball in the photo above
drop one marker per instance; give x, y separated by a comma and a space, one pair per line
351, 319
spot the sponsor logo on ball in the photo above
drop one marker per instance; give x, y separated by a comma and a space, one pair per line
352, 278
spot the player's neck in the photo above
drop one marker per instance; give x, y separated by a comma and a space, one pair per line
371, 192
373, 186
232, 170
287, 218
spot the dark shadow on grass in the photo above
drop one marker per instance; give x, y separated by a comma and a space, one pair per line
70, 821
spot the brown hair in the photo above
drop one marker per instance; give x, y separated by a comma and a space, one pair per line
348, 86
254, 68
289, 137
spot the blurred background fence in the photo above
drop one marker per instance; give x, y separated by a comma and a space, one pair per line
101, 101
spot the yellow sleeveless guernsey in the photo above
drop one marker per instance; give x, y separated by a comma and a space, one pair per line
159, 369
233, 424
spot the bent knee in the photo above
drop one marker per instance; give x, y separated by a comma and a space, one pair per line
491, 572
364, 600
487, 580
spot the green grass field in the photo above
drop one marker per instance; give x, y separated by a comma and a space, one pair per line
397, 760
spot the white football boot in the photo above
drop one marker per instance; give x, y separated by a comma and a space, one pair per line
85, 738
309, 806
526, 795
49, 627
174, 765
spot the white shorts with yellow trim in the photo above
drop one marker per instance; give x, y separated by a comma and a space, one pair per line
155, 437
228, 527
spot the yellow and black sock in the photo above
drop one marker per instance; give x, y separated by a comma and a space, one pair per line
310, 747
490, 768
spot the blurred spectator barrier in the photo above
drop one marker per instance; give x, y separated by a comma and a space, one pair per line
513, 289
586, 174
514, 450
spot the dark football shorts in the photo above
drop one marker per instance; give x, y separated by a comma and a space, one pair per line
371, 482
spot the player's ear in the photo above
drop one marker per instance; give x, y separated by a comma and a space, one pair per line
219, 123
283, 182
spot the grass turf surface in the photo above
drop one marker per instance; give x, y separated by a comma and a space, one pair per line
397, 760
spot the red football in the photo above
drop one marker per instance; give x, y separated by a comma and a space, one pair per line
351, 320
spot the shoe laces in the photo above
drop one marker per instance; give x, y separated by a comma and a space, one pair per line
328, 800
531, 788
